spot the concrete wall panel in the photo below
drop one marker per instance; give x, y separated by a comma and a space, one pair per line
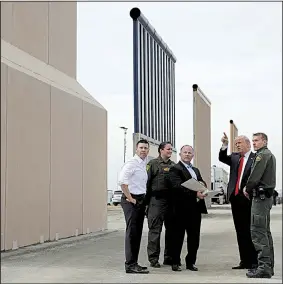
153, 151
28, 160
63, 36
66, 165
202, 135
30, 28
233, 135
4, 78
7, 21
54, 160
94, 168
153, 147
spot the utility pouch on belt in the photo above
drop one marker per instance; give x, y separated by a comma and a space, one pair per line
261, 193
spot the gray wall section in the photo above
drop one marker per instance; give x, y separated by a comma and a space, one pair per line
45, 30
53, 133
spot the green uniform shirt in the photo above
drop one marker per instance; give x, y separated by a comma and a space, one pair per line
158, 170
263, 172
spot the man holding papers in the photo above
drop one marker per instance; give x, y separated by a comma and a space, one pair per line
188, 205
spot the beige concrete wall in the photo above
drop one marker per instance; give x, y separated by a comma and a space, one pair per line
94, 168
4, 81
53, 133
66, 149
233, 135
202, 135
28, 159
62, 40
45, 30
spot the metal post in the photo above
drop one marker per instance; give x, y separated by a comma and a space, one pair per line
125, 141
214, 178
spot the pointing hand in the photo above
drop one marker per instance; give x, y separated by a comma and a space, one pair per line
224, 139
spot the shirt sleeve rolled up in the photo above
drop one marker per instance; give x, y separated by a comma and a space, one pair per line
126, 173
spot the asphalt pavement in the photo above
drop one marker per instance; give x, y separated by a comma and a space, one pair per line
99, 258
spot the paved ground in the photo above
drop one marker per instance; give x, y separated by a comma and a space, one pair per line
100, 258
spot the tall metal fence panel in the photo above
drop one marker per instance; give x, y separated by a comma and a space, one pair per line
154, 83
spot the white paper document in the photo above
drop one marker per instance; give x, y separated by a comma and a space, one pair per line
195, 185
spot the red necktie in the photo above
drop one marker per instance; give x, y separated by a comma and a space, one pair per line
239, 175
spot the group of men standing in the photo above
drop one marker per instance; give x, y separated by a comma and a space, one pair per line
155, 189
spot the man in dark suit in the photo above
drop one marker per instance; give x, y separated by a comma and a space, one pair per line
188, 206
240, 168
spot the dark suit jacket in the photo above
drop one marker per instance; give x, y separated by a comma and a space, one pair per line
233, 161
181, 195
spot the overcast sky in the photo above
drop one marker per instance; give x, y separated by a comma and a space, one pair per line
233, 51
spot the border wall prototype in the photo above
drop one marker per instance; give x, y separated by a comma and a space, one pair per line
202, 135
154, 86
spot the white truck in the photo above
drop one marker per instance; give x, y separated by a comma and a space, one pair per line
219, 181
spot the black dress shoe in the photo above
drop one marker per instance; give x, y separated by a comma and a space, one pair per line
258, 274
191, 267
240, 266
137, 269
142, 267
176, 267
155, 264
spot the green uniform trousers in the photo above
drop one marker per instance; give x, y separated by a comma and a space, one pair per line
261, 235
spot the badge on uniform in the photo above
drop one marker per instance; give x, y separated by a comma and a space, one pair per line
147, 167
166, 169
258, 158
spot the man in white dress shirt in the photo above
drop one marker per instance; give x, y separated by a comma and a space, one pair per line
133, 180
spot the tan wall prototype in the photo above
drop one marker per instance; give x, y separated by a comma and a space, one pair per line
153, 147
202, 135
53, 178
45, 30
233, 135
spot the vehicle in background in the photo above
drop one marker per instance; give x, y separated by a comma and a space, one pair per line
116, 197
109, 196
219, 181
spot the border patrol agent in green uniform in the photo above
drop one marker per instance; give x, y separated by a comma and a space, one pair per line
260, 187
159, 209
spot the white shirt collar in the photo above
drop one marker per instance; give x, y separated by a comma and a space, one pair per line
247, 154
139, 159
186, 165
